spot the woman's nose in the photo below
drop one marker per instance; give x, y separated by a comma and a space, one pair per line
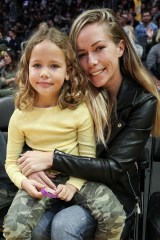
92, 60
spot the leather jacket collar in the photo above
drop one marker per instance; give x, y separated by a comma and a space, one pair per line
129, 87
125, 100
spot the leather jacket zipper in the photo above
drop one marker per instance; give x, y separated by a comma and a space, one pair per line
136, 197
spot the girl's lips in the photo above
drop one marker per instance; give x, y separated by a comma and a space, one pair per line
45, 84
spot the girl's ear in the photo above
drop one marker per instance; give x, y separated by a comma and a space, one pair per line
67, 74
67, 77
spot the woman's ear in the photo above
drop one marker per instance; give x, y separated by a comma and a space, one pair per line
121, 47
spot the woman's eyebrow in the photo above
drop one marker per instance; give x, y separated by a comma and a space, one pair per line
92, 45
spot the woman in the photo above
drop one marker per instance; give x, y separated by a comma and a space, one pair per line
8, 72
108, 58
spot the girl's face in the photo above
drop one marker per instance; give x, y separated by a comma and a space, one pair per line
99, 56
7, 58
47, 71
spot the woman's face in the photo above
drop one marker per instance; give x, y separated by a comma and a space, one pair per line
99, 56
7, 58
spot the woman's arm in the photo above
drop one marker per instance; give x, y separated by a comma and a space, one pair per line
123, 151
121, 155
35, 161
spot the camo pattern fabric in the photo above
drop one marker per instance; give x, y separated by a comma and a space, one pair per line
25, 212
105, 208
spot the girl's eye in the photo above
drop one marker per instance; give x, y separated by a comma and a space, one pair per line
36, 65
54, 66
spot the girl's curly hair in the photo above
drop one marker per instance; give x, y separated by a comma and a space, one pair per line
72, 92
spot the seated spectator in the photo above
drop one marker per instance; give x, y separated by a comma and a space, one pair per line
130, 32
3, 42
153, 60
154, 12
145, 31
14, 42
8, 72
157, 19
132, 19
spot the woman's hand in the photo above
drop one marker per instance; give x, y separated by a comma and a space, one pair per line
35, 161
43, 178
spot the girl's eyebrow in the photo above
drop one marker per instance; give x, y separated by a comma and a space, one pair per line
92, 45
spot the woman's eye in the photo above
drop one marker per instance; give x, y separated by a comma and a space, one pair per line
81, 55
99, 48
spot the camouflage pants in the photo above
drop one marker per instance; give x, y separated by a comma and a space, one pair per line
105, 208
23, 216
25, 212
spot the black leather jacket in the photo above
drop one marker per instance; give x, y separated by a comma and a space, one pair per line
116, 166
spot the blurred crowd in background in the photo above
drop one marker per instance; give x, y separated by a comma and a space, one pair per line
140, 19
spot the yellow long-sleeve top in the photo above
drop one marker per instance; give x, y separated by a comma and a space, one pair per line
46, 129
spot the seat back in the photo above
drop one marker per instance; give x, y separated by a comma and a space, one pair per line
145, 163
6, 110
153, 221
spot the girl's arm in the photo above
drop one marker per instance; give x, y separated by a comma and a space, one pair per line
15, 144
85, 139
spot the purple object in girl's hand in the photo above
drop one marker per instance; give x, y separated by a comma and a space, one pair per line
48, 192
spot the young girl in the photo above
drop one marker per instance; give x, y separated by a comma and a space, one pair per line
50, 114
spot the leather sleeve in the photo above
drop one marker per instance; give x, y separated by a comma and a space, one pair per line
122, 151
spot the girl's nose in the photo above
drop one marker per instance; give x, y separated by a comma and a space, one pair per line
44, 73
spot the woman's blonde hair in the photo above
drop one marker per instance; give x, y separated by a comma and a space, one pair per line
72, 92
130, 65
158, 36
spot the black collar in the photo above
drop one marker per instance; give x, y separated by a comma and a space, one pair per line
127, 93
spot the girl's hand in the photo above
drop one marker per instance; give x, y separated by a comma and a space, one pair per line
42, 178
32, 187
65, 192
35, 161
